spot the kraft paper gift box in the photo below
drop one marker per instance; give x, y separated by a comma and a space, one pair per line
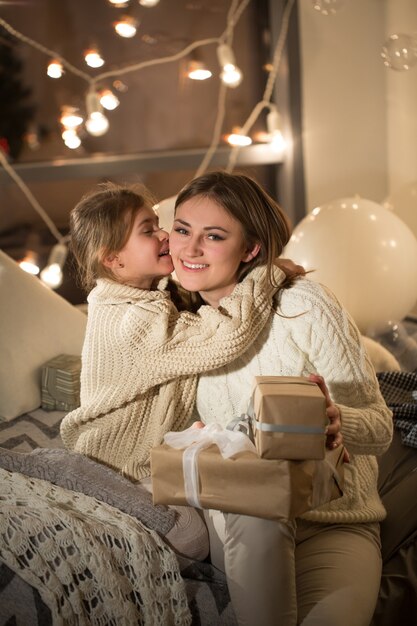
60, 389
288, 418
247, 484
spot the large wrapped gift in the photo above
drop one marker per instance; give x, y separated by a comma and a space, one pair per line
288, 418
60, 389
213, 468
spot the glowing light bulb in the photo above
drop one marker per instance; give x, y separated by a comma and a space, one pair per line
126, 27
29, 264
52, 275
93, 58
237, 139
97, 124
198, 71
148, 3
277, 141
231, 75
119, 2
71, 139
70, 118
109, 100
55, 69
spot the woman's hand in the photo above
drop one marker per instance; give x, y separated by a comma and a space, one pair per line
334, 435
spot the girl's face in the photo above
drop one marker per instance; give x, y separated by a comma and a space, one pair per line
207, 247
145, 256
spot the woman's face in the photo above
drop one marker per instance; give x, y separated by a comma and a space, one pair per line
207, 247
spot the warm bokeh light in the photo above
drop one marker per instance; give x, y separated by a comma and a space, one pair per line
126, 26
93, 58
55, 69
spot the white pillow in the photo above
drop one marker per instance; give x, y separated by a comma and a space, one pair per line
36, 325
381, 358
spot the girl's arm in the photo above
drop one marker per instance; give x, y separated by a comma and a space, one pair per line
178, 344
147, 342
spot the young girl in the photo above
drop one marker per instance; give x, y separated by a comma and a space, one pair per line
141, 356
328, 573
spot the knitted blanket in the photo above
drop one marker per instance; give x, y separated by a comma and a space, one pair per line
91, 563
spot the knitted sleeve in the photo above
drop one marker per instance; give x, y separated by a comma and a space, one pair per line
137, 341
332, 342
176, 344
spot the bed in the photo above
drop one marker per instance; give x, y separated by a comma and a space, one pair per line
156, 586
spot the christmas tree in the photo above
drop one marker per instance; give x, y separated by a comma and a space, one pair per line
15, 110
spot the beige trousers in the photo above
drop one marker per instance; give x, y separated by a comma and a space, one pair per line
314, 575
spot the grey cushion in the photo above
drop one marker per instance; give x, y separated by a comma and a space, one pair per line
79, 473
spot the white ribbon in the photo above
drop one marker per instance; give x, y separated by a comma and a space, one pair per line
196, 439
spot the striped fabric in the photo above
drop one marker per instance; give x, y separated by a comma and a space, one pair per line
36, 429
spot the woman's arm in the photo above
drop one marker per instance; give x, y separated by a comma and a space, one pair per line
332, 342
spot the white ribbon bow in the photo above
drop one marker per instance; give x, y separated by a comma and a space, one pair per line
196, 439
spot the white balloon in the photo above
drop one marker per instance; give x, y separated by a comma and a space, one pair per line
165, 211
365, 254
404, 204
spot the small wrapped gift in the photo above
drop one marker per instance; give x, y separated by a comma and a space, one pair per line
288, 417
61, 383
215, 468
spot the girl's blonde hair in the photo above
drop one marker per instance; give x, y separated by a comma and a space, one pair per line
100, 224
261, 218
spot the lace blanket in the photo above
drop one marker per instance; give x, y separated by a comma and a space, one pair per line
91, 563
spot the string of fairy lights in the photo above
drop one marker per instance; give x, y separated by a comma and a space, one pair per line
96, 122
398, 53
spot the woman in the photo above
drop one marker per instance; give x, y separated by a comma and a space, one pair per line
327, 572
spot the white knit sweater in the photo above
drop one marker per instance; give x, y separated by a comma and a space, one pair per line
311, 333
140, 362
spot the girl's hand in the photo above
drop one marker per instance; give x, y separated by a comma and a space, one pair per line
197, 425
333, 431
289, 267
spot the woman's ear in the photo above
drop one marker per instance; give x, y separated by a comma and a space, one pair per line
252, 253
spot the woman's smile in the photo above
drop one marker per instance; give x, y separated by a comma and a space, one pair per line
193, 266
207, 248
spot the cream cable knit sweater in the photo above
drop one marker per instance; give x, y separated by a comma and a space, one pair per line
322, 338
140, 363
